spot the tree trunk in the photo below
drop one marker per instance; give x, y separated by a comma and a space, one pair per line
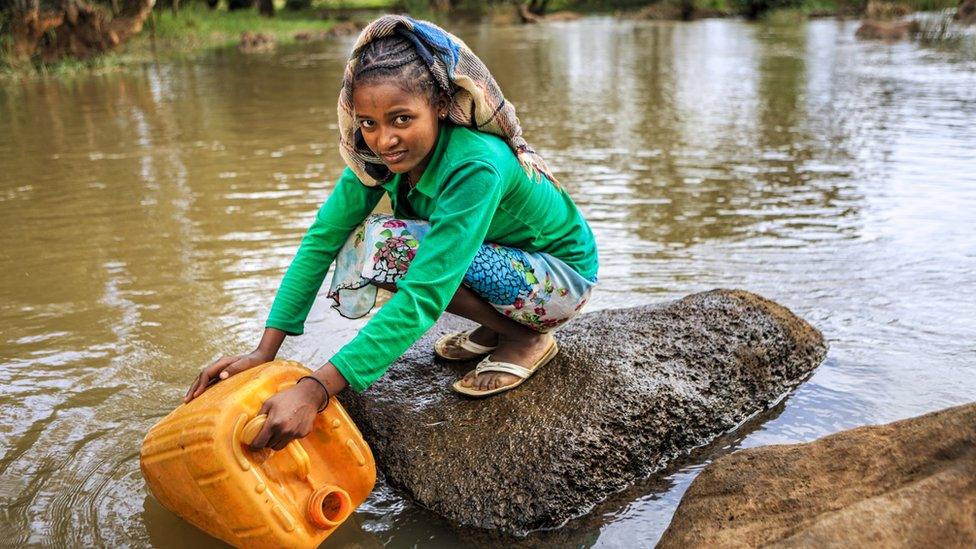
76, 30
538, 7
297, 5
266, 8
239, 4
525, 14
966, 13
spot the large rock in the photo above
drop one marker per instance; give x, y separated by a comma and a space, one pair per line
911, 483
630, 390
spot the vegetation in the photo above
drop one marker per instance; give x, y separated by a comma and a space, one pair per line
196, 26
52, 35
171, 29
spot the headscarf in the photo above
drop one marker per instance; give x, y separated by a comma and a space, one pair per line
476, 100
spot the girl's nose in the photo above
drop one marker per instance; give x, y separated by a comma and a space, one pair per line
390, 140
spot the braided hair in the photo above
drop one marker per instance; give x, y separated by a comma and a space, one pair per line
394, 59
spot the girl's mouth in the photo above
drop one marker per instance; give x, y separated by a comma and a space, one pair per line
394, 157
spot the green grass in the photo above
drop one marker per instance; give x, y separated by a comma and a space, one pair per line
196, 27
932, 5
803, 11
819, 6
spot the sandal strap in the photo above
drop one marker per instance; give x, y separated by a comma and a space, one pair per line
465, 343
502, 367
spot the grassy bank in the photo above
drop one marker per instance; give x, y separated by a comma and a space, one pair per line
196, 27
192, 31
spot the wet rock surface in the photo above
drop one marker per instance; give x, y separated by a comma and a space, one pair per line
911, 483
630, 390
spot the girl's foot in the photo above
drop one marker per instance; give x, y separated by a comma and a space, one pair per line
453, 347
525, 352
484, 336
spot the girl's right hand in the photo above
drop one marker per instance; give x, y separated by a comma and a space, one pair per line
223, 369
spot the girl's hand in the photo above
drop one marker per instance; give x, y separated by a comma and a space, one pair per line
291, 414
230, 365
224, 368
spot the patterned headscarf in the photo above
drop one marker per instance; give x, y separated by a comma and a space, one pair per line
476, 100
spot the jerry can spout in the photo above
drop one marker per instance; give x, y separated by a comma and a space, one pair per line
329, 506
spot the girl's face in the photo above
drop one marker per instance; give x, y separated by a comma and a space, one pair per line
400, 127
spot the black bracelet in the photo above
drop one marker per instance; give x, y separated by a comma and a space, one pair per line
324, 388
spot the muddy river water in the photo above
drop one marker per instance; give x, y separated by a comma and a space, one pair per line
148, 215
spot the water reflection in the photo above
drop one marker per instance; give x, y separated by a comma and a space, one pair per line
148, 217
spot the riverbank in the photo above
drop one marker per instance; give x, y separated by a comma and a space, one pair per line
195, 30
192, 31
673, 10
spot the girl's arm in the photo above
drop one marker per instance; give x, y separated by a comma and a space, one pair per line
466, 204
465, 207
347, 206
291, 413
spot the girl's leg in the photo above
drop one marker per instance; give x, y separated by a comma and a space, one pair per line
517, 343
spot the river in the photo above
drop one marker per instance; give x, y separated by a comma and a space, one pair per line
148, 215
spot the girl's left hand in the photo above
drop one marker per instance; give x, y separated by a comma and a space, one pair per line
291, 414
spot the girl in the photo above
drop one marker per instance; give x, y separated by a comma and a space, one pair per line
480, 229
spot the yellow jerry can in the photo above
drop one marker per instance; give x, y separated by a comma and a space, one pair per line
197, 464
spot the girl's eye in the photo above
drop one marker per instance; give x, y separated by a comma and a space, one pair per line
366, 123
402, 119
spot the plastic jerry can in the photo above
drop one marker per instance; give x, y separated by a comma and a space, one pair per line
197, 464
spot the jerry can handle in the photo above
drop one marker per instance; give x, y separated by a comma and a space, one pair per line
297, 452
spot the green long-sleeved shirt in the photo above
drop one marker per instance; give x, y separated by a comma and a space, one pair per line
473, 191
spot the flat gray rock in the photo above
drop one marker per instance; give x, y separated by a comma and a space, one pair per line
630, 390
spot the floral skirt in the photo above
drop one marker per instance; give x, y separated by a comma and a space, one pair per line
534, 289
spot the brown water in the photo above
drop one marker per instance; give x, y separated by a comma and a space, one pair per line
148, 216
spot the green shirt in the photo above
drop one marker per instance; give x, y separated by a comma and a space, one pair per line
473, 191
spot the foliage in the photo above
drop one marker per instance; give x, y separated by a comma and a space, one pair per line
191, 30
931, 5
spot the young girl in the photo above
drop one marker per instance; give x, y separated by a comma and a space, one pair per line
480, 229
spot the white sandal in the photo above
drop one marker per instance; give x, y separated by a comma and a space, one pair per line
521, 372
444, 344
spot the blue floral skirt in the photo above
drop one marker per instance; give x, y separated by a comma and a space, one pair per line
534, 289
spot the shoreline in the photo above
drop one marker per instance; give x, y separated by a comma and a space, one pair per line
193, 32
196, 31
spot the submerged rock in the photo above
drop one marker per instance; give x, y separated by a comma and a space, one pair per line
630, 390
252, 42
887, 30
911, 483
346, 28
